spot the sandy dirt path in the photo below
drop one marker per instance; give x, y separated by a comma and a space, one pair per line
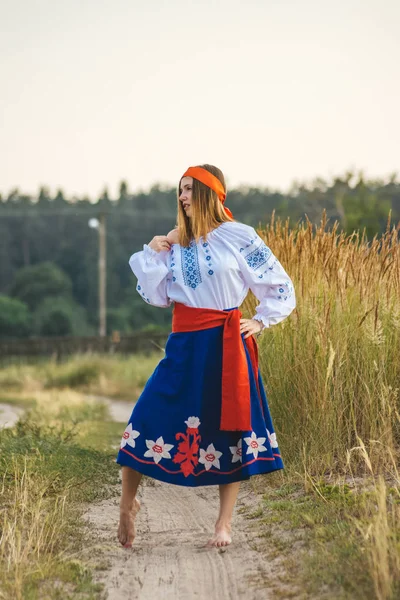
119, 410
9, 415
169, 559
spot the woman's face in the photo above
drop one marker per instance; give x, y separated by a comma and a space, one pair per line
185, 195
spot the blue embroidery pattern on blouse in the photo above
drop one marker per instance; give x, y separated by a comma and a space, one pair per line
172, 264
258, 257
190, 266
139, 290
248, 245
287, 288
208, 258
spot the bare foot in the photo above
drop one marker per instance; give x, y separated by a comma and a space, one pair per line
126, 529
221, 537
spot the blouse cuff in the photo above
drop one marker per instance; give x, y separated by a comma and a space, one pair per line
262, 320
152, 254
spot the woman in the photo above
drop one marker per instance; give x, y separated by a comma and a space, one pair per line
203, 417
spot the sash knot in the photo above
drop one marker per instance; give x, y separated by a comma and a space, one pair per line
235, 401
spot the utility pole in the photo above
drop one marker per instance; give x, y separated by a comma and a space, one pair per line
100, 225
102, 276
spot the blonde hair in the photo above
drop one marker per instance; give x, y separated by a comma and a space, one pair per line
207, 210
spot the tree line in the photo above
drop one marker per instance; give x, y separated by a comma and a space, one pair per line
48, 253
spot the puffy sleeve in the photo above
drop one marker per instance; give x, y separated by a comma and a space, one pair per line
264, 275
151, 270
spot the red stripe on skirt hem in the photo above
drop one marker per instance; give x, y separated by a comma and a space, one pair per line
149, 462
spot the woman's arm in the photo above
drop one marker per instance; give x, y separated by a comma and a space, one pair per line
263, 274
150, 266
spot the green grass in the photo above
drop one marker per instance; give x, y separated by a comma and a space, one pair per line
332, 375
15, 400
113, 376
326, 538
51, 466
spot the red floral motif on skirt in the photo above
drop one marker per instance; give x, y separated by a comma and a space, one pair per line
187, 454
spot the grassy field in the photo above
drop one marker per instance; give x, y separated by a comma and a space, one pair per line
332, 370
112, 376
332, 374
59, 456
56, 460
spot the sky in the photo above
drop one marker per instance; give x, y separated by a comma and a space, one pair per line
271, 91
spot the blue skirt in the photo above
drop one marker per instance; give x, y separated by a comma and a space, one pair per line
173, 434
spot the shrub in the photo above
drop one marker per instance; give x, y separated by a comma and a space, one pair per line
15, 318
73, 375
59, 316
32, 284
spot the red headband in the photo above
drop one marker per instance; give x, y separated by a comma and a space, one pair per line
210, 181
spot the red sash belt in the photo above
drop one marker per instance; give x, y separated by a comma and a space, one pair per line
235, 405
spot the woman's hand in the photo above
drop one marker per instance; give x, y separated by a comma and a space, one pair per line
250, 327
160, 243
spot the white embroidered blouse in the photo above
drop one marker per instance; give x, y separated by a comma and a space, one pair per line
217, 273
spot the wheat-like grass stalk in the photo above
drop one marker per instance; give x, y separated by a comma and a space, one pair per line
331, 370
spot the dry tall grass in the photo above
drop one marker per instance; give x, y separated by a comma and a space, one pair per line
332, 370
31, 526
52, 462
332, 373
